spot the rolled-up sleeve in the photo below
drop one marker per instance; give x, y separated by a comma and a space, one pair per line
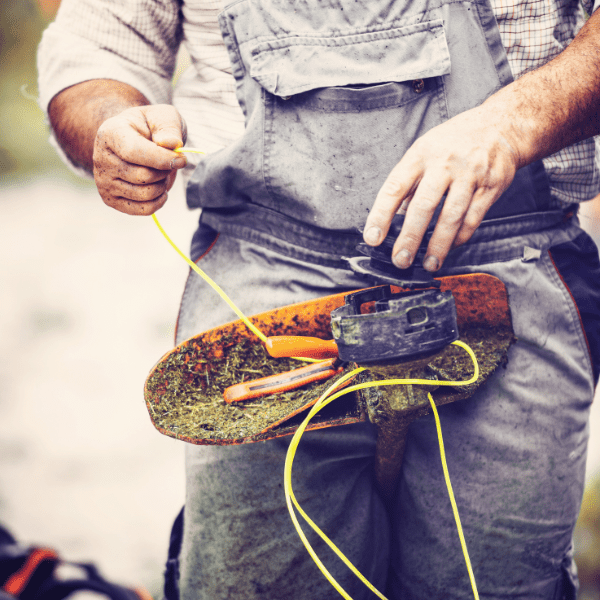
132, 41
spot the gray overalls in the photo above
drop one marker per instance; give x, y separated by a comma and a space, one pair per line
334, 92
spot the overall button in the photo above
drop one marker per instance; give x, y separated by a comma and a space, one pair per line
418, 85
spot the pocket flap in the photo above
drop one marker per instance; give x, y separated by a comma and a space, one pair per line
295, 64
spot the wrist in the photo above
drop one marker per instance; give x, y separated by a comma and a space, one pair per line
517, 130
77, 112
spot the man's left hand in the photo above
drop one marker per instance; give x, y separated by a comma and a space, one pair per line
471, 158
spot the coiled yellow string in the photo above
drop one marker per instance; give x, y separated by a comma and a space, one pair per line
327, 397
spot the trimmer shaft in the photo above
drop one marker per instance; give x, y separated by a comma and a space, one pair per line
403, 326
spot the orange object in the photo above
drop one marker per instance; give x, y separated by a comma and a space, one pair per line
481, 302
282, 382
17, 582
48, 8
281, 346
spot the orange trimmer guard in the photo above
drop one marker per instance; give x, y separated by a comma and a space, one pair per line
184, 391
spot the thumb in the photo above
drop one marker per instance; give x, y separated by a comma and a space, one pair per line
166, 125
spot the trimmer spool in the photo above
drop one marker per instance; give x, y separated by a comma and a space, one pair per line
403, 327
176, 383
419, 321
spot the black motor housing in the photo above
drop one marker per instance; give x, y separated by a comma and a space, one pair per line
403, 327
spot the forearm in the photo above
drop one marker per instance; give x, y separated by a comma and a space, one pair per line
77, 112
556, 105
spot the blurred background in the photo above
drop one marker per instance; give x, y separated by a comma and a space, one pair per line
88, 301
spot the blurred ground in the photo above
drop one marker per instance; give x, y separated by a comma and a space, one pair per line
89, 299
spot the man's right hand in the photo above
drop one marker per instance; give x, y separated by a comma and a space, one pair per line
134, 162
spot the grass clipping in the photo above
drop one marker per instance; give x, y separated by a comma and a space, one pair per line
186, 393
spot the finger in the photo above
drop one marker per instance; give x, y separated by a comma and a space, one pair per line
129, 136
482, 201
125, 205
399, 185
115, 191
138, 193
126, 171
418, 216
133, 148
460, 196
142, 175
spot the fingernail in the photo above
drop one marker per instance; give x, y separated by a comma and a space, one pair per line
431, 263
178, 163
372, 236
402, 259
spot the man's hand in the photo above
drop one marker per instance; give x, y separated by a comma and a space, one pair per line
110, 129
468, 157
134, 160
474, 156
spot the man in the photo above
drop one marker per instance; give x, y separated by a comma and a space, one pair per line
346, 113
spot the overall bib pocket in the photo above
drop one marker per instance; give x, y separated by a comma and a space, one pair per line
335, 125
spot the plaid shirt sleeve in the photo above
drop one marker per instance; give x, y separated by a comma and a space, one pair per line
131, 41
136, 41
533, 32
127, 40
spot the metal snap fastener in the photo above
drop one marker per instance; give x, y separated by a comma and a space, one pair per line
418, 85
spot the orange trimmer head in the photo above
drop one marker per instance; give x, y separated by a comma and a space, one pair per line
189, 382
